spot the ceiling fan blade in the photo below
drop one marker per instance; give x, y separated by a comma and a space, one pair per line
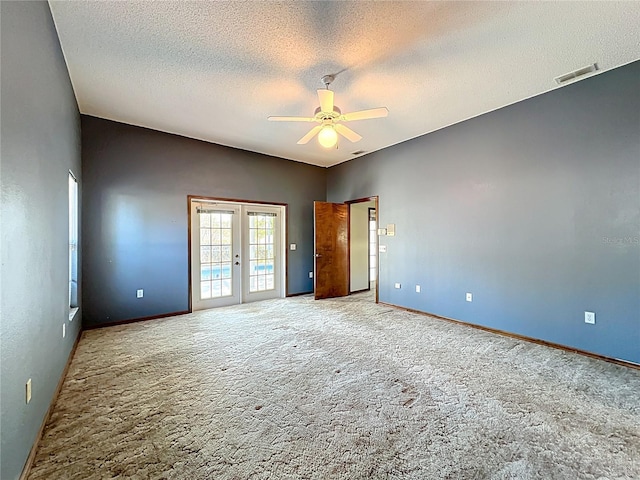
312, 133
365, 114
326, 100
347, 133
290, 119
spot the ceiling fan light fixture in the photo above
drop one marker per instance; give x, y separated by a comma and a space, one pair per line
327, 137
330, 118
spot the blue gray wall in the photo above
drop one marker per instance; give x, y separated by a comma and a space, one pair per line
533, 208
135, 213
40, 144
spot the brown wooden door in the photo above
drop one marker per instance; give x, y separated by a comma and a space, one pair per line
331, 249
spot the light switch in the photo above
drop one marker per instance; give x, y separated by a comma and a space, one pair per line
382, 248
293, 246
382, 231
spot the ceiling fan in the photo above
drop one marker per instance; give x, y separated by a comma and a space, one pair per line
328, 116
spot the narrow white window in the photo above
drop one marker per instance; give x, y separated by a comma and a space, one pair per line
373, 244
73, 241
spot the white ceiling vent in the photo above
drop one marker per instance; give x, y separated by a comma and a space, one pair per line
359, 152
567, 77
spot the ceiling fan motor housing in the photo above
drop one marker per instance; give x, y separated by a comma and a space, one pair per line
320, 115
328, 79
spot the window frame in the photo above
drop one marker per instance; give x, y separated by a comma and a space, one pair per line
74, 224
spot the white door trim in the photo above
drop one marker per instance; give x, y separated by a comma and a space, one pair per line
275, 214
220, 270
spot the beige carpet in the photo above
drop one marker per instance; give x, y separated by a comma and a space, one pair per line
336, 389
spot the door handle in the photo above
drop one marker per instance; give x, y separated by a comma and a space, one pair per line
318, 255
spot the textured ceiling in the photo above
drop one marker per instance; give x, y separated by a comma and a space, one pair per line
216, 70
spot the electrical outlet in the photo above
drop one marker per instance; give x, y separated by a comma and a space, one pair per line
140, 293
64, 330
417, 288
28, 391
397, 285
310, 274
590, 317
469, 297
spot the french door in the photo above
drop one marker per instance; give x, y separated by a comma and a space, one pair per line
236, 253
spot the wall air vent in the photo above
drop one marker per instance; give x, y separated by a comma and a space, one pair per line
359, 152
567, 77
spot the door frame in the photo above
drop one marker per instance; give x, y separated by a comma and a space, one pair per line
374, 199
284, 231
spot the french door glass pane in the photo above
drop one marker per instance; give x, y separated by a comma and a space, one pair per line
215, 255
205, 289
261, 252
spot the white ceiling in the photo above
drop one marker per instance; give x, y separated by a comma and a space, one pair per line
216, 70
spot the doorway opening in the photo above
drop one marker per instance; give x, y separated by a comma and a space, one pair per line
363, 245
236, 252
345, 248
